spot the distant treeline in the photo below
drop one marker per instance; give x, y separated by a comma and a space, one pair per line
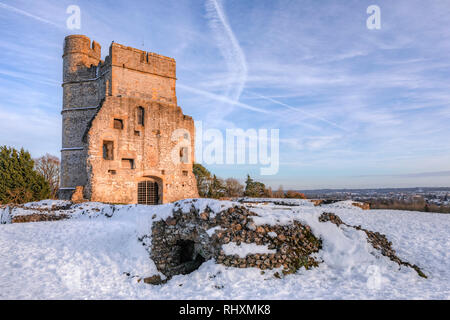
410, 205
211, 186
325, 192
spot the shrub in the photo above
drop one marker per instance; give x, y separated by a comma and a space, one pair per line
233, 188
294, 195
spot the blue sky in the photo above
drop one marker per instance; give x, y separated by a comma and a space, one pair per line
355, 107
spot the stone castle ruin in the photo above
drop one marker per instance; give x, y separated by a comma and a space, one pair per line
126, 141
124, 138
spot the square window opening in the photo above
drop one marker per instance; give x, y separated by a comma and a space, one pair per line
118, 124
128, 163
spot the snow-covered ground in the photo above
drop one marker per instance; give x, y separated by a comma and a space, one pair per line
97, 255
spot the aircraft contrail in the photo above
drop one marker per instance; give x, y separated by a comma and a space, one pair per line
27, 14
229, 47
221, 98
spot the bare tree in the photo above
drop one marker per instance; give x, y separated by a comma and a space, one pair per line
268, 193
234, 188
279, 193
49, 167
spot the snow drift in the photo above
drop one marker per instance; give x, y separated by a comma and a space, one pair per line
96, 253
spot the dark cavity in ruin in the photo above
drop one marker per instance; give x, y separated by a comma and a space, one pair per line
189, 259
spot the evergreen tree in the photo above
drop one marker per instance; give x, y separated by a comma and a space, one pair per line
217, 188
203, 177
253, 188
19, 182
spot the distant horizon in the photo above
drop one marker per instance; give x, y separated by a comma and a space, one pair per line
385, 188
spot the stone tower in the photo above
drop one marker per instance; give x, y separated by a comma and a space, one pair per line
124, 138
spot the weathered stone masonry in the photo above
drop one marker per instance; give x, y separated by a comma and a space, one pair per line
182, 242
119, 119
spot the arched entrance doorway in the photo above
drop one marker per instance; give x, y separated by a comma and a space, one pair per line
148, 192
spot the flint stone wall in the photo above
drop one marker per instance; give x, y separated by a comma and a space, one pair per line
182, 242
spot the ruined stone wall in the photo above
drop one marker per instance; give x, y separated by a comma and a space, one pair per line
207, 232
95, 93
196, 233
149, 145
142, 74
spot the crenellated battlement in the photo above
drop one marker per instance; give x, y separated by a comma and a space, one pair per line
141, 52
143, 61
80, 58
126, 71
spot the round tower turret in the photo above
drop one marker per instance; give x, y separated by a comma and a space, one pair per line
81, 97
79, 56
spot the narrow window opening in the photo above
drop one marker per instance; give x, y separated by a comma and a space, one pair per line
141, 116
185, 173
184, 155
108, 150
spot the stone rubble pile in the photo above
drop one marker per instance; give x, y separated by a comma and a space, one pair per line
376, 239
182, 242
